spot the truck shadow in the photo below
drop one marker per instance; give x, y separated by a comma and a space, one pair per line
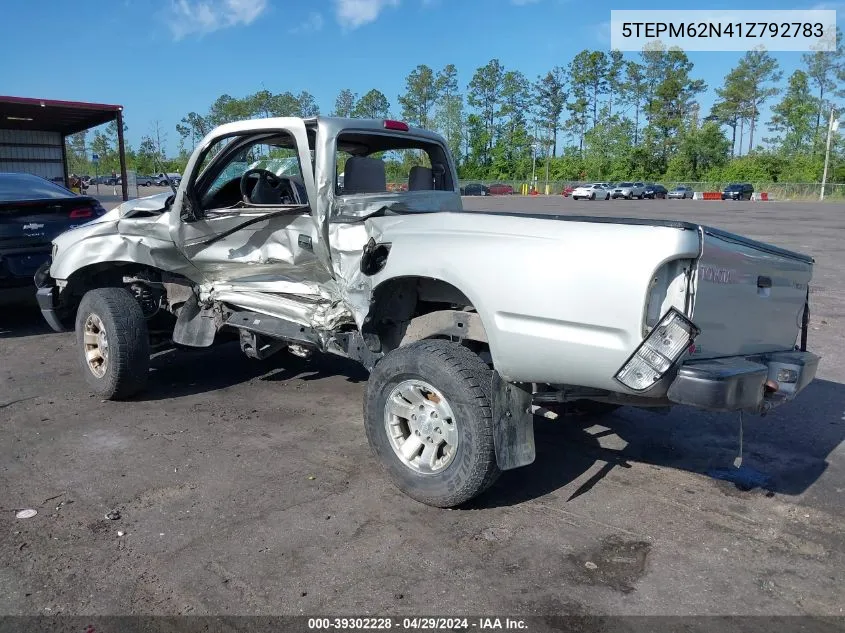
183, 372
784, 453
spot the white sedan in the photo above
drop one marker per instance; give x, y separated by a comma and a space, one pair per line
594, 191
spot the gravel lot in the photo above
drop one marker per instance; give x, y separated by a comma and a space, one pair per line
247, 487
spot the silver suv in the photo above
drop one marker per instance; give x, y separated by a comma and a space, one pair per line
629, 190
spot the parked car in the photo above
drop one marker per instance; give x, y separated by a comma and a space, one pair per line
145, 181
595, 191
654, 191
33, 211
475, 189
500, 190
738, 191
461, 353
628, 190
161, 179
567, 191
681, 192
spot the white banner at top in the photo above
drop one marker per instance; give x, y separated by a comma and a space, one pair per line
724, 30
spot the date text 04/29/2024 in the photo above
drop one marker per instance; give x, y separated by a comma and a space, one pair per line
418, 624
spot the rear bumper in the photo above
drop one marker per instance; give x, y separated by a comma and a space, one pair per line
743, 383
18, 264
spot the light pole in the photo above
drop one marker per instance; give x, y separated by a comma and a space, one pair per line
832, 126
548, 154
534, 158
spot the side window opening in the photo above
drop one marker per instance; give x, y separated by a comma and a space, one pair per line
241, 173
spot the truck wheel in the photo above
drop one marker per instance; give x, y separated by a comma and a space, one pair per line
429, 422
114, 346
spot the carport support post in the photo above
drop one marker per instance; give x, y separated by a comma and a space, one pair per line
64, 163
124, 186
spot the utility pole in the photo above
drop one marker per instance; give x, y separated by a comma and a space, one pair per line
832, 126
534, 159
548, 155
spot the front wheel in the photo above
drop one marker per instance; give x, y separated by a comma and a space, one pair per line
113, 343
592, 196
429, 421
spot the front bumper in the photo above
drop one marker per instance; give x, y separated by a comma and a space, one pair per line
743, 383
46, 298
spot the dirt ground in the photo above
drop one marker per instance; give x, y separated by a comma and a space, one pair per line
247, 487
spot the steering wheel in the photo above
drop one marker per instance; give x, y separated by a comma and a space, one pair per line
270, 188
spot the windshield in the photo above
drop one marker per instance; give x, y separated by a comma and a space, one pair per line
626, 184
734, 186
29, 187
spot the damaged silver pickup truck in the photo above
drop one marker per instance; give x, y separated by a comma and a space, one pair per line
284, 234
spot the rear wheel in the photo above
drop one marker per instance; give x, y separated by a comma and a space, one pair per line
113, 343
592, 196
429, 421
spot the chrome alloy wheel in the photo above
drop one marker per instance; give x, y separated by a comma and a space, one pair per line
421, 427
96, 343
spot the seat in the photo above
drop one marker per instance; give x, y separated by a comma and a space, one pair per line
364, 175
420, 179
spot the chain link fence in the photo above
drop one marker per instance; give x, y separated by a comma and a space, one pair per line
777, 191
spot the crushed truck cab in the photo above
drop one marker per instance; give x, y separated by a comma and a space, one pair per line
348, 237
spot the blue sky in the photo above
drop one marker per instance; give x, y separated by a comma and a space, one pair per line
163, 58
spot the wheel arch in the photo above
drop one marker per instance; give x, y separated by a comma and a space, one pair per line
112, 274
409, 308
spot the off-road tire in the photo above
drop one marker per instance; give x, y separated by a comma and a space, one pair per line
466, 383
128, 363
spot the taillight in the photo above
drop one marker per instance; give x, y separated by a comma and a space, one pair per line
81, 212
661, 349
396, 125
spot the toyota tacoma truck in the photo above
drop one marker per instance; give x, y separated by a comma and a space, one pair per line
469, 323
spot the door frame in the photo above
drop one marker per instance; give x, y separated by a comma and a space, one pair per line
289, 125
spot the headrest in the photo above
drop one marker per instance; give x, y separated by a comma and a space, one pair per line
420, 179
364, 175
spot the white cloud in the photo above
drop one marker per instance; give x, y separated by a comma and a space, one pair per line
311, 24
521, 3
602, 32
188, 17
354, 13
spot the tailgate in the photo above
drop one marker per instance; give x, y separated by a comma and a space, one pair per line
749, 296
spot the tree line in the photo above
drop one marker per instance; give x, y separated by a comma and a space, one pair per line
602, 116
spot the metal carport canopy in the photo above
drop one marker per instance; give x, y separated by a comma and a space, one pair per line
64, 117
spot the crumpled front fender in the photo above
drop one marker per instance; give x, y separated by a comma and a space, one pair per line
143, 241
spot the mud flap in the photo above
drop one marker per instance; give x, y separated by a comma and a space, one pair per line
195, 327
513, 424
